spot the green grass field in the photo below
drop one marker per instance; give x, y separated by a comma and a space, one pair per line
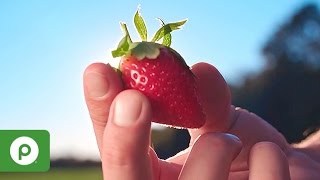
57, 174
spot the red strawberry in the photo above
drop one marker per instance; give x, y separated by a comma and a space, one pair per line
162, 75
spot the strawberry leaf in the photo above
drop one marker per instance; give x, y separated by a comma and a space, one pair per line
166, 38
122, 48
124, 44
145, 49
166, 29
125, 30
140, 25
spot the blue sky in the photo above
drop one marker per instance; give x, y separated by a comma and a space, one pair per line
46, 45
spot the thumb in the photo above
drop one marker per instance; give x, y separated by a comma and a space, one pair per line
126, 138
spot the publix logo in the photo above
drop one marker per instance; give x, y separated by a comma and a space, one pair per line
24, 150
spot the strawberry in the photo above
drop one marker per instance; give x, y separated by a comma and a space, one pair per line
161, 74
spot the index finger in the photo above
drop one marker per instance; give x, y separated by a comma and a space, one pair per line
101, 84
215, 97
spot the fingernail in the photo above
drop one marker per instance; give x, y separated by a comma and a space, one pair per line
127, 111
233, 137
97, 84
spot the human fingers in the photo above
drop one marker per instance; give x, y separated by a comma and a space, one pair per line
252, 129
267, 161
221, 117
211, 157
310, 146
215, 98
126, 138
101, 84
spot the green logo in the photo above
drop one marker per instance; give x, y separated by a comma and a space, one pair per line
24, 150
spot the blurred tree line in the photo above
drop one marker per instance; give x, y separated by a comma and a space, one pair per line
287, 91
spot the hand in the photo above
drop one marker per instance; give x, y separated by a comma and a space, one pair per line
123, 138
122, 122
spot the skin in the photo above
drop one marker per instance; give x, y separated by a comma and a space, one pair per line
234, 144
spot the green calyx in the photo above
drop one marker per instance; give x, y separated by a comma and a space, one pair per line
144, 48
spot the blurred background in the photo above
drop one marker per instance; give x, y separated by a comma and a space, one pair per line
269, 53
